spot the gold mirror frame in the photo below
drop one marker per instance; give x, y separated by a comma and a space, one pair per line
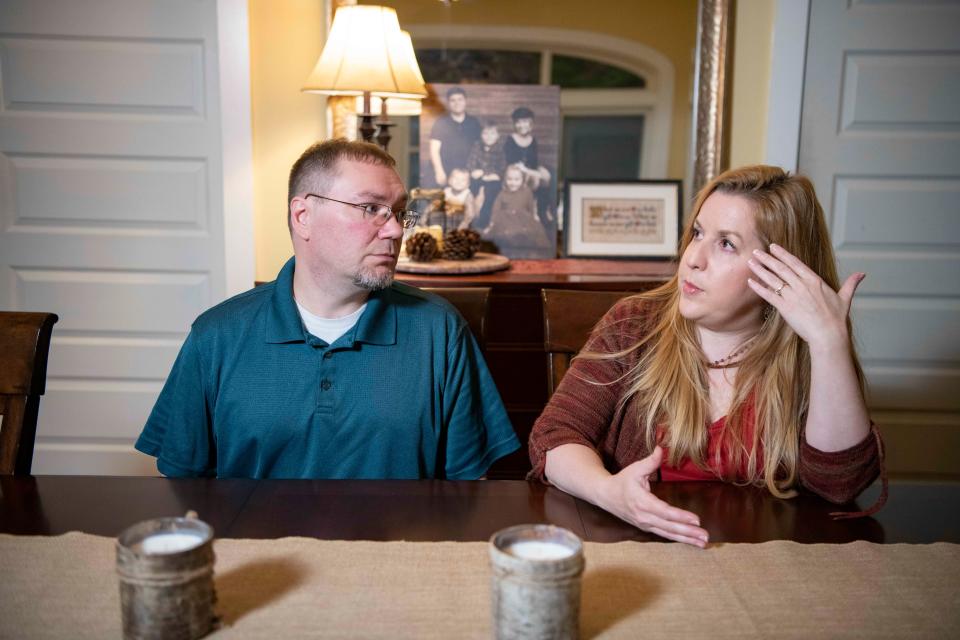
712, 91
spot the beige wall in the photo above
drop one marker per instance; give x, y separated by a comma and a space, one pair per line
286, 38
753, 37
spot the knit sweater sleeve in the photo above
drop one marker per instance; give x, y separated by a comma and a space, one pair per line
584, 404
840, 476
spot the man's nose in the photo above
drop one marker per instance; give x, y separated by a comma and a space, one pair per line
392, 228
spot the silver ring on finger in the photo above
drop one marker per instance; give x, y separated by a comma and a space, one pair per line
779, 289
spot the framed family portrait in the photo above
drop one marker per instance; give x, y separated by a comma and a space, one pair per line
492, 150
622, 219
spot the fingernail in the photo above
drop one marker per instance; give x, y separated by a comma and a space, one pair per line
752, 262
774, 245
862, 276
756, 252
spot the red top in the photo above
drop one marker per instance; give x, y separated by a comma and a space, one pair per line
687, 470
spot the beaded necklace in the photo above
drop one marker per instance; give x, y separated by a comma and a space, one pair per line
726, 363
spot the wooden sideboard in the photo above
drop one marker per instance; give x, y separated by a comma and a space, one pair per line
514, 349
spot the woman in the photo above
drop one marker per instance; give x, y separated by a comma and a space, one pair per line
521, 149
741, 368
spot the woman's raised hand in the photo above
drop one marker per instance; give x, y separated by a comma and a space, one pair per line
816, 312
627, 495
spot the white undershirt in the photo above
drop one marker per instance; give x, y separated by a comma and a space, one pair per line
329, 329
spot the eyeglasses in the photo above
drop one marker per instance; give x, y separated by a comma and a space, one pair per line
378, 214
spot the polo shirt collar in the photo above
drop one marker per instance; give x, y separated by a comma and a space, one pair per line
283, 319
377, 325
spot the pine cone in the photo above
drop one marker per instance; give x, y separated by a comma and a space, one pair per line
421, 247
460, 244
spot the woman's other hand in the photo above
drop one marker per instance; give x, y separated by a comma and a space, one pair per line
627, 495
578, 470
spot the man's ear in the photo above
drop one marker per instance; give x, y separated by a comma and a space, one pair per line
300, 218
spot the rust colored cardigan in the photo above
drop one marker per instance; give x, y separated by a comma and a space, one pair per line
583, 413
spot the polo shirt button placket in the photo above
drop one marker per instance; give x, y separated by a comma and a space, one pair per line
326, 374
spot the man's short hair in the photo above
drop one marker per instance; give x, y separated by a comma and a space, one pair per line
452, 91
316, 167
520, 113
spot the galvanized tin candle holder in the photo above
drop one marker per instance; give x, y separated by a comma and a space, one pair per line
165, 568
536, 582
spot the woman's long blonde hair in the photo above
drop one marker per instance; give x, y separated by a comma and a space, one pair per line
669, 379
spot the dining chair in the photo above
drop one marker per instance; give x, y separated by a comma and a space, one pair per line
471, 302
568, 318
24, 344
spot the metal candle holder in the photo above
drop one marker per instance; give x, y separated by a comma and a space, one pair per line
166, 579
536, 582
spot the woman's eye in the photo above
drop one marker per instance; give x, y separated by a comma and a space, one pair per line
697, 233
726, 244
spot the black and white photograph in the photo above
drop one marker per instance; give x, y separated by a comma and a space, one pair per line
493, 150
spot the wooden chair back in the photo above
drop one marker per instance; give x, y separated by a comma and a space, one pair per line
24, 345
471, 302
568, 318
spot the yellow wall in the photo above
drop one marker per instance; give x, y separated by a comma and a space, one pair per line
286, 38
753, 38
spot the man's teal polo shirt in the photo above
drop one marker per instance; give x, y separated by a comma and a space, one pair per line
405, 393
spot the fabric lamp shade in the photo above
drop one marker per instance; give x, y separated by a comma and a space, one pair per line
407, 66
367, 53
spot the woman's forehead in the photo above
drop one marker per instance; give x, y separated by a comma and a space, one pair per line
727, 212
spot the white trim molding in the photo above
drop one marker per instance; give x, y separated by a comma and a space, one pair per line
236, 131
788, 59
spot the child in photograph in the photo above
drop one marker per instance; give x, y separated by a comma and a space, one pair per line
514, 226
486, 164
458, 200
522, 150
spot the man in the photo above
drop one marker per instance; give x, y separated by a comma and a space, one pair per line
333, 370
452, 137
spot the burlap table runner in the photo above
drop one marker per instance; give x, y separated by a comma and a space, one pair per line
66, 587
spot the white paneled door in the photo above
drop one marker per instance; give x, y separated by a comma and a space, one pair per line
880, 136
111, 213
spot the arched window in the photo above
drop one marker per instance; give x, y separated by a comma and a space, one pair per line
503, 66
616, 95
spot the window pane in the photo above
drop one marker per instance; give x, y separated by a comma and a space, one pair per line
484, 66
580, 73
601, 147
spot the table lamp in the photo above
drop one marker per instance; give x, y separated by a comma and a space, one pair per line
367, 55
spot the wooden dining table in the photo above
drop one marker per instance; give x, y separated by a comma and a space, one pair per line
409, 559
435, 510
